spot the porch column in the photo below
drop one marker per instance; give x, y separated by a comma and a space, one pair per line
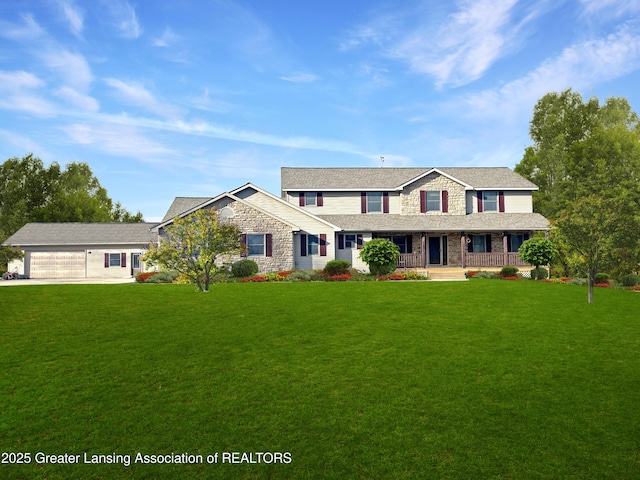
505, 249
423, 249
463, 246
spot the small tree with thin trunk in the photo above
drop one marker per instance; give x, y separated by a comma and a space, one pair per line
538, 251
193, 245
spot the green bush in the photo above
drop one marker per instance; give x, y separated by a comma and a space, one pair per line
336, 267
508, 271
577, 281
380, 255
542, 273
484, 274
601, 278
244, 268
304, 276
166, 276
630, 280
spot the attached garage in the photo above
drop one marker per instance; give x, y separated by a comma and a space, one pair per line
58, 264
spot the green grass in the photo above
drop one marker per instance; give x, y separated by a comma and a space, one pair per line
479, 379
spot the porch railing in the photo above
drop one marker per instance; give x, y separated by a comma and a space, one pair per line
410, 260
493, 260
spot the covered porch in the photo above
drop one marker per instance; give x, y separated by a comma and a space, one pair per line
478, 250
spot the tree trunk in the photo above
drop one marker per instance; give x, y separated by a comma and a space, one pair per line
592, 276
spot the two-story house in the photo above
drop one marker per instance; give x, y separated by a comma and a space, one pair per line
456, 217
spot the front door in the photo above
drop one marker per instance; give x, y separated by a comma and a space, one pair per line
135, 264
434, 251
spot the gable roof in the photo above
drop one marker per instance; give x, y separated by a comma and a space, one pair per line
210, 201
83, 234
479, 178
182, 204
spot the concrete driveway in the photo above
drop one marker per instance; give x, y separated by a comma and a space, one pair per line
60, 281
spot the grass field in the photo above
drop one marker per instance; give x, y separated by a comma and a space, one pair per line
479, 379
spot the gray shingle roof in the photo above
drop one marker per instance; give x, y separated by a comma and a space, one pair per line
182, 204
392, 178
439, 223
82, 234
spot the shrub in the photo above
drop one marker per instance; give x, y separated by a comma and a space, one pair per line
602, 285
601, 278
471, 273
542, 273
336, 267
630, 280
392, 276
167, 276
508, 271
636, 288
142, 277
344, 277
414, 276
381, 255
255, 278
304, 276
483, 274
577, 281
244, 268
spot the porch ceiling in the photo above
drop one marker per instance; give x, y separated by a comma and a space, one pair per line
479, 222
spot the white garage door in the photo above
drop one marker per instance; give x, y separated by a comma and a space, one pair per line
57, 265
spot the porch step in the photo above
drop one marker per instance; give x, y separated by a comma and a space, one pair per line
446, 274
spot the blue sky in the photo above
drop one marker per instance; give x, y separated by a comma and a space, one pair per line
194, 98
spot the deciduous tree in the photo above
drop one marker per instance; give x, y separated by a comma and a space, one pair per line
194, 246
538, 251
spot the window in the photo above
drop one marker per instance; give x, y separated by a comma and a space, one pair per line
490, 201
433, 201
479, 243
404, 242
374, 202
255, 244
313, 243
349, 240
309, 198
313, 199
515, 241
114, 259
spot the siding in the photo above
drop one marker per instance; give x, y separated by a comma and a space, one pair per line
342, 203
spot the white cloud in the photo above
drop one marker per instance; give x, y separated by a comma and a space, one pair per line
135, 94
78, 99
454, 49
17, 93
29, 31
168, 38
300, 78
74, 17
119, 140
71, 67
610, 7
579, 66
123, 18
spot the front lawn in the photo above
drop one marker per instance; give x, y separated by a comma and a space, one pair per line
478, 379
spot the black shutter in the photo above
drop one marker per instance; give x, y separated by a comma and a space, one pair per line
488, 243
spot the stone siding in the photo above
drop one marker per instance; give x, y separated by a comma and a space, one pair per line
250, 220
410, 196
